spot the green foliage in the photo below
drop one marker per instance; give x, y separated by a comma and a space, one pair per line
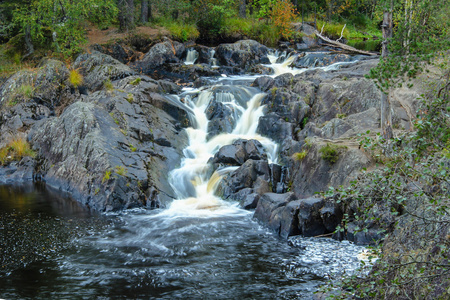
120, 170
330, 153
60, 22
136, 81
130, 98
108, 85
133, 148
15, 150
75, 78
299, 156
413, 184
106, 176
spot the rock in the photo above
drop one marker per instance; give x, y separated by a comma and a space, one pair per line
18, 172
268, 203
272, 126
122, 53
114, 150
265, 83
331, 215
160, 54
97, 68
51, 85
18, 88
313, 174
242, 54
222, 118
310, 222
239, 152
289, 222
321, 59
345, 97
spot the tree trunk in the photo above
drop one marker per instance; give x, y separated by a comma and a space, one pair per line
386, 116
242, 9
144, 11
126, 14
28, 42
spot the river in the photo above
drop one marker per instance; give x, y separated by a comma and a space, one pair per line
200, 247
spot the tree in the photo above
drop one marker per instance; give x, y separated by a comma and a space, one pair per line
126, 14
144, 11
61, 21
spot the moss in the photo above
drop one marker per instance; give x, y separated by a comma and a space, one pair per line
108, 85
130, 98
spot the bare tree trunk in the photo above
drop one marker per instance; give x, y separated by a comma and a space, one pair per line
28, 42
144, 11
386, 116
242, 9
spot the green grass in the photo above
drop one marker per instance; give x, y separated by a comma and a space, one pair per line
15, 150
75, 78
299, 156
180, 31
106, 176
108, 85
120, 170
136, 81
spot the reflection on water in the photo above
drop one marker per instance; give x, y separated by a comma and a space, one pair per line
49, 253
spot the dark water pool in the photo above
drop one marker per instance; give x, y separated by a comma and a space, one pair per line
51, 248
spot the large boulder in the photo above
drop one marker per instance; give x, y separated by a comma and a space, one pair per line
97, 68
112, 151
242, 54
239, 152
162, 53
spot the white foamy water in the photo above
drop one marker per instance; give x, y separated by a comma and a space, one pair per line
191, 56
192, 183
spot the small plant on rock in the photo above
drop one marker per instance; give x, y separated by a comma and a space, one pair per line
16, 149
121, 170
330, 153
75, 78
136, 81
106, 176
299, 156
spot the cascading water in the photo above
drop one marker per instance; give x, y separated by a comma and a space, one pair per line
191, 56
201, 247
191, 180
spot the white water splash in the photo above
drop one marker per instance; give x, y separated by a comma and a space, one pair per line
191, 56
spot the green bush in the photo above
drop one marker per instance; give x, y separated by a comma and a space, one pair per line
330, 153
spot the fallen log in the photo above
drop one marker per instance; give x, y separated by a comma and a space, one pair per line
341, 45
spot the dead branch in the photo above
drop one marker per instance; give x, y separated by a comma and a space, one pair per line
341, 45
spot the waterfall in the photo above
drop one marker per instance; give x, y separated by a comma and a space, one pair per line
192, 183
191, 56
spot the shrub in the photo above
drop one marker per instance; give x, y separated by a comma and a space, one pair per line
330, 153
299, 156
75, 78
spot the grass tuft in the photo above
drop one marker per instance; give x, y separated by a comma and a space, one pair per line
75, 78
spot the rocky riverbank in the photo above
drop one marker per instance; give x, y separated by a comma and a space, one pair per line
111, 142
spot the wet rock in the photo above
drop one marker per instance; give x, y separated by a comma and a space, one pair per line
288, 220
322, 59
272, 126
265, 83
268, 204
18, 172
242, 54
331, 215
97, 68
310, 222
222, 118
362, 237
239, 152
